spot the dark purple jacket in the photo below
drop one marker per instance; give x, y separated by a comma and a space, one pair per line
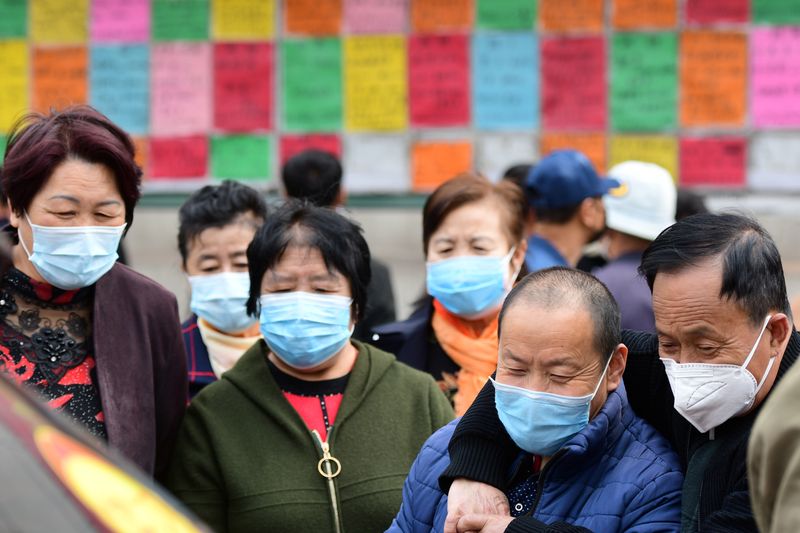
630, 290
141, 366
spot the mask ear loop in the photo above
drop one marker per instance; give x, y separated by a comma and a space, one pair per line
605, 369
752, 353
21, 240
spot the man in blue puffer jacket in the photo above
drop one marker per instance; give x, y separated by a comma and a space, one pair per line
584, 460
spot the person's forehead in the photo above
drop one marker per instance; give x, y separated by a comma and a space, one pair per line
236, 235
689, 302
528, 328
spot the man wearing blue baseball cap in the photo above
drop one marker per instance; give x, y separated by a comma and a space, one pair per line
565, 193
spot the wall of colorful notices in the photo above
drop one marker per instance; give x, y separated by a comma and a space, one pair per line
410, 92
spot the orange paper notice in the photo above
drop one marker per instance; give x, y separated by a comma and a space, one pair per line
437, 162
312, 17
713, 78
59, 77
593, 145
631, 14
141, 146
571, 15
441, 15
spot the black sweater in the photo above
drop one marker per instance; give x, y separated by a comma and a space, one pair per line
481, 449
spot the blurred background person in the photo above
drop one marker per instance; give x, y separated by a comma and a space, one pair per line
636, 212
474, 244
217, 224
316, 176
565, 193
98, 341
689, 203
312, 430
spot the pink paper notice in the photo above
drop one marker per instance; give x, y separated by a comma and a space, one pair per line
375, 16
775, 67
181, 88
120, 21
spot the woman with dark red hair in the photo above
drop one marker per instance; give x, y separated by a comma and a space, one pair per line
98, 341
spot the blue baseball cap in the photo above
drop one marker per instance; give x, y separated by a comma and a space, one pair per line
565, 178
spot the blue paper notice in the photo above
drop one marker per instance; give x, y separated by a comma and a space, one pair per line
119, 85
505, 81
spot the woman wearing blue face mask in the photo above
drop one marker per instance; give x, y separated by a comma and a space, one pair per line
217, 223
311, 430
98, 341
473, 237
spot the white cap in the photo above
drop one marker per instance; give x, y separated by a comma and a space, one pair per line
644, 204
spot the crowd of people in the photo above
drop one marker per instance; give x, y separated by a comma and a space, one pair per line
539, 386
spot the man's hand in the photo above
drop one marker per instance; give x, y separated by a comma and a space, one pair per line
483, 523
472, 498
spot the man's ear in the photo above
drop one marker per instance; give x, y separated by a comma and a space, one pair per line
616, 367
780, 329
590, 213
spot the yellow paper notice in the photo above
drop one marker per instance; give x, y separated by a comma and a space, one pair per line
59, 21
243, 19
661, 150
13, 82
375, 83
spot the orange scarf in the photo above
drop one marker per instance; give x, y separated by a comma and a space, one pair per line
474, 352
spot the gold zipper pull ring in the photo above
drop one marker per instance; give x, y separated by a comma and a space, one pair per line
324, 466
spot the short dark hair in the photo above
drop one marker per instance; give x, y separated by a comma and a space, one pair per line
517, 174
300, 223
465, 189
752, 271
215, 206
38, 143
313, 175
561, 286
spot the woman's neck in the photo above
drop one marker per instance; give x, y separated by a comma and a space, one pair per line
252, 331
338, 366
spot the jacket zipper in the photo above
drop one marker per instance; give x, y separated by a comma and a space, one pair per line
540, 482
329, 467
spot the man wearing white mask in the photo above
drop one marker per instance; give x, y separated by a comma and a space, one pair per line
581, 457
217, 224
636, 212
725, 338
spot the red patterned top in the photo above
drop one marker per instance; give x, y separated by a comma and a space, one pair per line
46, 344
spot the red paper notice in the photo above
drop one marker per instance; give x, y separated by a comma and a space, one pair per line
178, 157
574, 86
710, 11
439, 80
713, 162
294, 144
243, 81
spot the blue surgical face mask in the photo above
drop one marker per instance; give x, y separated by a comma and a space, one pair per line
221, 300
539, 422
304, 330
72, 257
470, 285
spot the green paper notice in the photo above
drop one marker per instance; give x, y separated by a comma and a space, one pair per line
180, 20
506, 14
13, 18
776, 11
2, 148
243, 157
312, 84
644, 81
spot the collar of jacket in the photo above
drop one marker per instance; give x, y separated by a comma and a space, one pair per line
252, 377
600, 434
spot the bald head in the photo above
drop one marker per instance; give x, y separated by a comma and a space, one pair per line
565, 288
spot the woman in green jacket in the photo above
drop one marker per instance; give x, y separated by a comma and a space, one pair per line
310, 431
